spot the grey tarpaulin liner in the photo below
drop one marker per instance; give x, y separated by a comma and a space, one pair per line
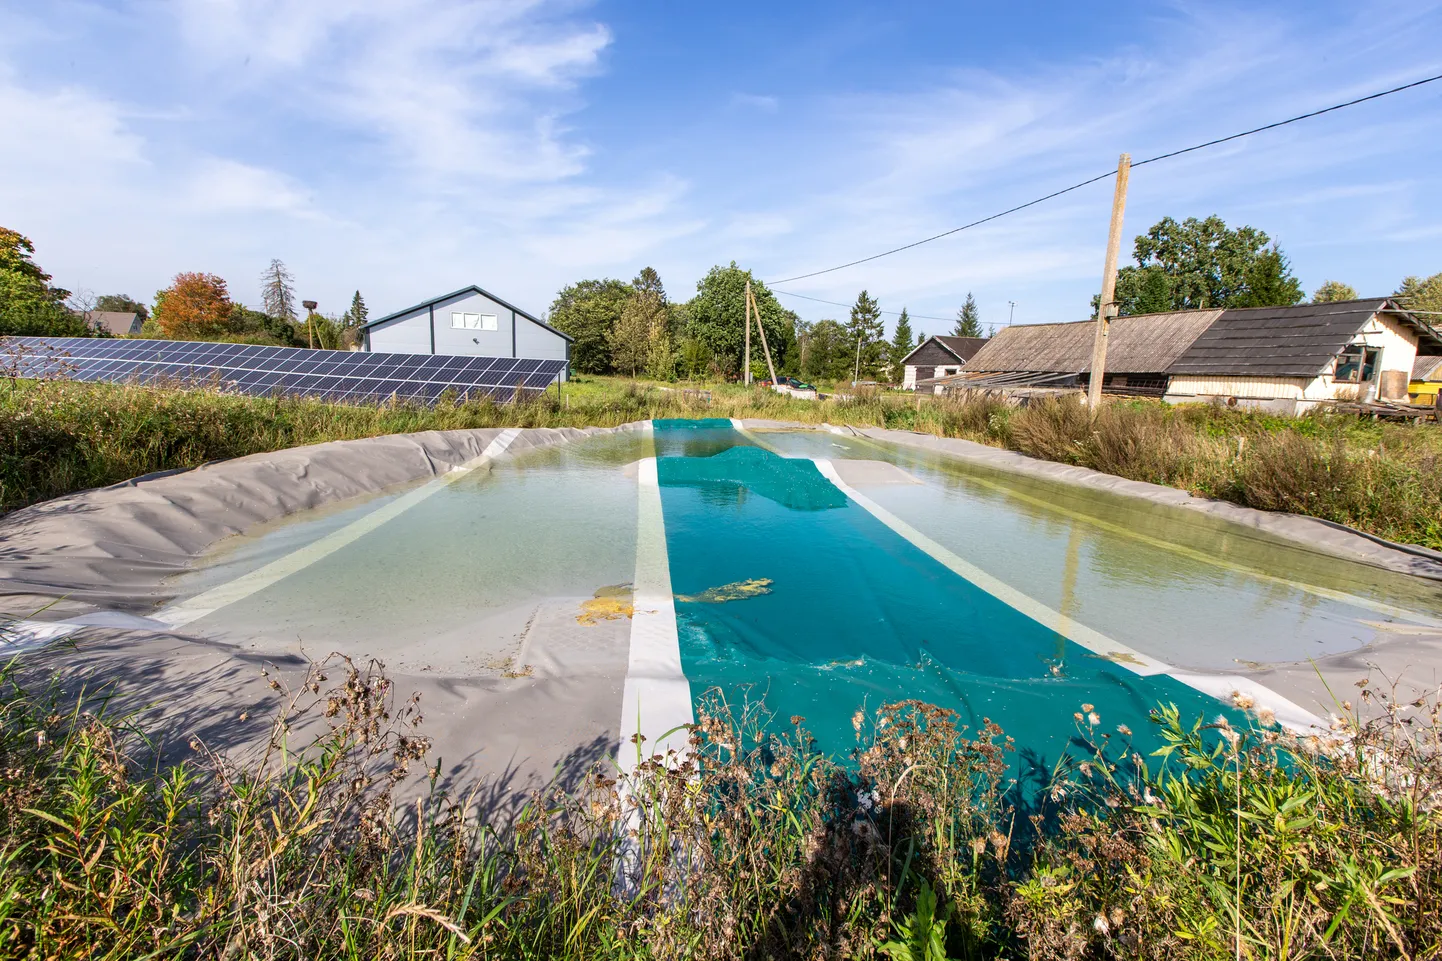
108, 554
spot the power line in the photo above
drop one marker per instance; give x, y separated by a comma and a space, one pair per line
1110, 173
837, 303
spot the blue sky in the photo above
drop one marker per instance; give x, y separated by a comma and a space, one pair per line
410, 148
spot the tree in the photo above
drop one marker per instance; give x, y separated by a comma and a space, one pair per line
900, 344
122, 303
277, 291
1197, 264
1332, 291
642, 337
29, 306
589, 312
865, 333
1423, 294
718, 321
196, 306
968, 319
357, 314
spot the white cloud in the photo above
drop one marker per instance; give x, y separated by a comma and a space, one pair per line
221, 185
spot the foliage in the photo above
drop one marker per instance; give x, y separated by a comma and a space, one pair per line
630, 339
29, 305
968, 319
277, 291
822, 347
122, 303
30, 308
589, 312
334, 840
357, 314
1333, 291
901, 345
1197, 264
866, 337
718, 321
196, 306
1425, 294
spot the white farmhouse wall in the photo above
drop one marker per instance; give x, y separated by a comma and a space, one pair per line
533, 340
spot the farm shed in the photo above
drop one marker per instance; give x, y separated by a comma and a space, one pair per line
1426, 380
467, 321
938, 356
1139, 351
1288, 359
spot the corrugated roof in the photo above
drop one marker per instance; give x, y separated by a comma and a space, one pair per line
1143, 344
1427, 368
962, 348
1295, 341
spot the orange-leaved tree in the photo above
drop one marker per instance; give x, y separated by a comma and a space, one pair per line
194, 307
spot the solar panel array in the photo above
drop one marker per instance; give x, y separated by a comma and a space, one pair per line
332, 375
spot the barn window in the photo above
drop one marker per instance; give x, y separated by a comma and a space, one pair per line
1355, 364
464, 321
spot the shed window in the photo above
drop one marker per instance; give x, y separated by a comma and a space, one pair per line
463, 321
1356, 364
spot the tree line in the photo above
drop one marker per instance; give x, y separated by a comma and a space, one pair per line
196, 306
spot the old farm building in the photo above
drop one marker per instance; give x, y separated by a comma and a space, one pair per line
939, 356
467, 321
1286, 359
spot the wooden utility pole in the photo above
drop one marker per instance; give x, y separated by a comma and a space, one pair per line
756, 312
1105, 306
746, 371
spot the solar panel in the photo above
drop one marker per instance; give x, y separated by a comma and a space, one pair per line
348, 376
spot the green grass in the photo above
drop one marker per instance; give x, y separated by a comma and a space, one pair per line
1230, 844
61, 436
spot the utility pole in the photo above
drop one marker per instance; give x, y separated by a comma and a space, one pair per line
746, 372
1011, 314
310, 307
756, 312
1106, 308
856, 376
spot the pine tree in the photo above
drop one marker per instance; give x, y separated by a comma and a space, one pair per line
900, 344
356, 316
866, 333
277, 291
968, 319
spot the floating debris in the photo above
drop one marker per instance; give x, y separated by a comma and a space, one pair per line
609, 604
736, 591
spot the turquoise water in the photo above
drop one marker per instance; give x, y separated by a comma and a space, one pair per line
857, 616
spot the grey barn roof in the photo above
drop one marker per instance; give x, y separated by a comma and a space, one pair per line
1427, 368
1295, 341
472, 289
1144, 344
961, 348
115, 321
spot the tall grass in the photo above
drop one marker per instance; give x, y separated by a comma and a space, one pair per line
60, 436
1229, 843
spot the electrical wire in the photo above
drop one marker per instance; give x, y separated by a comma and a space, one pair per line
837, 303
1110, 173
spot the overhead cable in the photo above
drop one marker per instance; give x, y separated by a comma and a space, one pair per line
1111, 173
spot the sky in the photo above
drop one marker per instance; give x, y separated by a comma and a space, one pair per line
406, 148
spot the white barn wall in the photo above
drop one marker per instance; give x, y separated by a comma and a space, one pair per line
419, 331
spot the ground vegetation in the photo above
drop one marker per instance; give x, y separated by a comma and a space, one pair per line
337, 841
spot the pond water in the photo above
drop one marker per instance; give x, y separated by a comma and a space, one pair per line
820, 572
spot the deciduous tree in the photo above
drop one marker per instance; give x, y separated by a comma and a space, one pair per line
968, 319
589, 312
1196, 264
196, 306
29, 306
718, 321
1332, 291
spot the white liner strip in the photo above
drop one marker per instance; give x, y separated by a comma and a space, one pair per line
656, 699
194, 608
1221, 686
